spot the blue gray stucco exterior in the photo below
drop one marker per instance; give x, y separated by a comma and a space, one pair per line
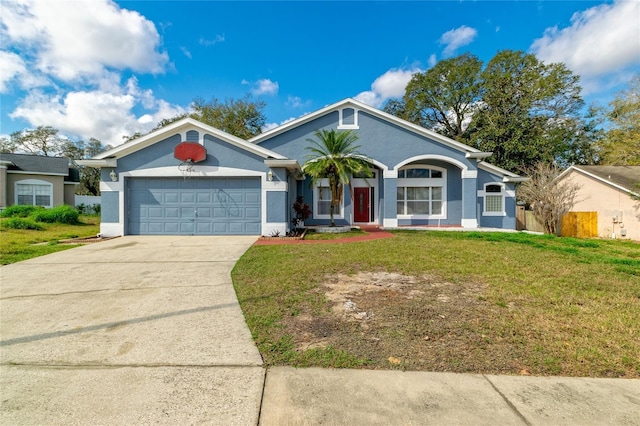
458, 179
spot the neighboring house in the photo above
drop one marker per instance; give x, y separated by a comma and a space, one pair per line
608, 191
36, 180
419, 178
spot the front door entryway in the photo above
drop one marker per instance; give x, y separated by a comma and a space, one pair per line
362, 208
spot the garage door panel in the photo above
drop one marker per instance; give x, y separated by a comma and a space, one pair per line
252, 213
155, 212
252, 197
171, 212
187, 197
203, 206
171, 198
252, 228
204, 213
203, 197
204, 228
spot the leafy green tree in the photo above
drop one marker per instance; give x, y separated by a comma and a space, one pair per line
89, 176
242, 117
43, 140
444, 97
529, 109
621, 143
333, 156
518, 107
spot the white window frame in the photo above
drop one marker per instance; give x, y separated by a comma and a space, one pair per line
341, 124
502, 194
425, 182
34, 182
316, 197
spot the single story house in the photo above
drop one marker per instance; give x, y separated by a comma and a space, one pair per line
609, 191
36, 180
236, 186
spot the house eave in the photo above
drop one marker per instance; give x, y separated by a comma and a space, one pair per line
99, 163
513, 179
27, 172
600, 179
291, 165
478, 155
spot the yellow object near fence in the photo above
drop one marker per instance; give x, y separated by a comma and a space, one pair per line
580, 224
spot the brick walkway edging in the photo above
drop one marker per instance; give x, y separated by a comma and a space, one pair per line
373, 233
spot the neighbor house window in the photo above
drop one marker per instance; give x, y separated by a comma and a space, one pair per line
34, 192
420, 192
494, 200
323, 203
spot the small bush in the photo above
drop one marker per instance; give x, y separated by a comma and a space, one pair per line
19, 211
19, 223
61, 214
88, 209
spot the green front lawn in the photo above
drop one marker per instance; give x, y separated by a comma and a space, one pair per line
497, 303
23, 244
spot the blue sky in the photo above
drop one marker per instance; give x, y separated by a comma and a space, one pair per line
105, 69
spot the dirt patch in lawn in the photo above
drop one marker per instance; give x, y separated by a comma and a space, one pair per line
411, 322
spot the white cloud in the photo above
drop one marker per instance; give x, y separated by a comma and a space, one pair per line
266, 87
107, 116
81, 40
457, 38
217, 39
12, 67
262, 87
270, 126
71, 56
186, 52
603, 40
391, 84
433, 60
296, 102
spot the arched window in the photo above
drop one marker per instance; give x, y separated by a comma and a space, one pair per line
348, 118
494, 199
421, 192
34, 192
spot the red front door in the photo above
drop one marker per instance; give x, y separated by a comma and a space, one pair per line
361, 205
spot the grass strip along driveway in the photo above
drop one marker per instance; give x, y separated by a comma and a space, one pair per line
22, 244
495, 303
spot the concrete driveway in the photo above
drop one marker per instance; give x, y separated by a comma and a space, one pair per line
128, 331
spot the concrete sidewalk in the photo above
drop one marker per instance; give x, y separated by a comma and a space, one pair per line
361, 397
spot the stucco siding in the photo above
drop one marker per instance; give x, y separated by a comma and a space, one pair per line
70, 194
110, 206
608, 202
276, 206
56, 181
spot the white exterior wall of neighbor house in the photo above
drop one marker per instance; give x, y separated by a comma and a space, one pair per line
609, 202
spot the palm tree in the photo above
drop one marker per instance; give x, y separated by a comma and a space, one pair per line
334, 157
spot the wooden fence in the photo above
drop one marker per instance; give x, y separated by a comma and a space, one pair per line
580, 224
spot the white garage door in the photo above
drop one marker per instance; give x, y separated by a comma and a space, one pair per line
195, 206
